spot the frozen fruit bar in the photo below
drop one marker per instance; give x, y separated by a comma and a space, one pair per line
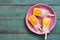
35, 22
37, 12
41, 12
46, 23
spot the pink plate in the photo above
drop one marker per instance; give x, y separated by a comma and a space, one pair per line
53, 19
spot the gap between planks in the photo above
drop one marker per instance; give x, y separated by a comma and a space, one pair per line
15, 19
26, 4
16, 32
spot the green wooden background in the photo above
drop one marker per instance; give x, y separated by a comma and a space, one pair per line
12, 20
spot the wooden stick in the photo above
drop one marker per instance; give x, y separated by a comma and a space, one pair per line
45, 36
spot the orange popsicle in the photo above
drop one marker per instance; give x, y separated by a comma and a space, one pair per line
46, 23
41, 12
37, 12
34, 21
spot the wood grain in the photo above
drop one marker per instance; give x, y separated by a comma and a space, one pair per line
12, 19
19, 12
28, 37
29, 1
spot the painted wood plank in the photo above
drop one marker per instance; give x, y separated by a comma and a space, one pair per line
13, 12
29, 1
19, 12
56, 9
12, 19
19, 26
20, 37
28, 37
53, 36
13, 26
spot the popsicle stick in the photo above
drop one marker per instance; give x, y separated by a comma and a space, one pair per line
46, 31
38, 26
50, 14
45, 36
40, 29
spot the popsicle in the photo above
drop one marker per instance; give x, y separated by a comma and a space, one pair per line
46, 23
41, 12
37, 12
34, 21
